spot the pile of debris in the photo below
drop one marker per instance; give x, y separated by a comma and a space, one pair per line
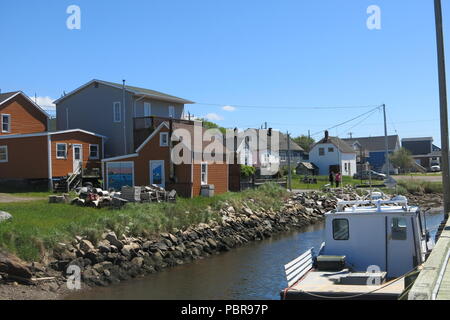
89, 196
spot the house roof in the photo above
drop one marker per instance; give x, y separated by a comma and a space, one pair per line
293, 146
4, 97
46, 133
338, 143
375, 143
135, 90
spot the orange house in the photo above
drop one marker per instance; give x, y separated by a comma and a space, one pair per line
19, 114
151, 164
49, 155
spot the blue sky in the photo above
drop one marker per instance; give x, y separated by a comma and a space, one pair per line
288, 53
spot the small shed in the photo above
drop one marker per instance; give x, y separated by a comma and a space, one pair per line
307, 168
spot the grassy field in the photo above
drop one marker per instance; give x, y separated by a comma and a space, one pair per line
417, 187
321, 182
38, 226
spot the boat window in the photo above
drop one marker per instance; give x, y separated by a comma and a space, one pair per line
398, 228
340, 229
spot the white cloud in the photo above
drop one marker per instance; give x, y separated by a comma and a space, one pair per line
45, 103
213, 117
229, 108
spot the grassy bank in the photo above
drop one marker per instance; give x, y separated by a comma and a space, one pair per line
419, 187
38, 226
297, 182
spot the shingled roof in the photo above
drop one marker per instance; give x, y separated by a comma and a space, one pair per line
343, 146
7, 95
375, 143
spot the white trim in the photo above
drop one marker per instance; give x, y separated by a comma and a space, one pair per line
154, 96
39, 134
9, 122
56, 149
115, 120
98, 152
150, 137
201, 173
49, 160
7, 158
163, 178
121, 157
161, 142
132, 172
29, 100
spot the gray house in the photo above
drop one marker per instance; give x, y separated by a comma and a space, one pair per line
115, 111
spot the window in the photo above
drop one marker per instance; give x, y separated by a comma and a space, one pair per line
61, 151
340, 229
93, 151
164, 139
398, 228
283, 156
6, 123
346, 166
147, 109
3, 154
321, 151
331, 150
171, 112
117, 110
204, 173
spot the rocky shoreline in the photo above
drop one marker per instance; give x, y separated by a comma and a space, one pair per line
117, 258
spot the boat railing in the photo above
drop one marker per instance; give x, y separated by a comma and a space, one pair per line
377, 203
298, 267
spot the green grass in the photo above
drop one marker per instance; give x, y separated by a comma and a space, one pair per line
420, 187
321, 182
38, 226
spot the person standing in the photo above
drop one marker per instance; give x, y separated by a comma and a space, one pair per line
338, 179
331, 179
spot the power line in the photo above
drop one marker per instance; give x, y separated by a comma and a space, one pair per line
345, 122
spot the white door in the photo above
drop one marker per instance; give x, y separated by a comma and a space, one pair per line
157, 173
400, 246
77, 157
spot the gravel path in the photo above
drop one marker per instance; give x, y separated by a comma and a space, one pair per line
429, 178
6, 197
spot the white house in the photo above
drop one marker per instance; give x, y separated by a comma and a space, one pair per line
332, 154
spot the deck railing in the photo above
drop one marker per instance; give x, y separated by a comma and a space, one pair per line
298, 267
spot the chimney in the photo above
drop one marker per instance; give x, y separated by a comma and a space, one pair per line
326, 135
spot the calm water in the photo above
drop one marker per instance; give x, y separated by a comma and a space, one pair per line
254, 271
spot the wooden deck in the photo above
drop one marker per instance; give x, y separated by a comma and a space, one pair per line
322, 283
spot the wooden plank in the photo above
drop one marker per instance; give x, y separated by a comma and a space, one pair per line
298, 276
290, 264
299, 270
299, 263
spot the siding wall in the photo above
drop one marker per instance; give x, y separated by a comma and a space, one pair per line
61, 167
25, 118
27, 158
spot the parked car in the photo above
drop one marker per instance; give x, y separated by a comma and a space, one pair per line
364, 175
435, 168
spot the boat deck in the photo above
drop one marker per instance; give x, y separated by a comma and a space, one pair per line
320, 283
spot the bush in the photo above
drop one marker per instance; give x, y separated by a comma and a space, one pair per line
247, 171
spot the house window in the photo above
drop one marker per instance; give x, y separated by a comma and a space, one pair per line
93, 151
147, 109
204, 173
117, 110
283, 155
6, 123
340, 229
331, 150
164, 139
171, 112
61, 151
345, 166
3, 153
398, 228
321, 151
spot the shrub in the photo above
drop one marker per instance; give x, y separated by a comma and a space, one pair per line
247, 171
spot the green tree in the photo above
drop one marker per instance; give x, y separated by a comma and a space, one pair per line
402, 159
211, 125
305, 142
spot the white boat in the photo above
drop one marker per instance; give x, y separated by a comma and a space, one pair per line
370, 245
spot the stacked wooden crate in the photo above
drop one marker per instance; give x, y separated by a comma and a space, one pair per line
131, 194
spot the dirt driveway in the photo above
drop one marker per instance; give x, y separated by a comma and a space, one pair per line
429, 178
6, 197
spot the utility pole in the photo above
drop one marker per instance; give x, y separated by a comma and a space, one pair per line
289, 161
386, 145
443, 106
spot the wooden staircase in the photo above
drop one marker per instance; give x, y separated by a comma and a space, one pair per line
69, 182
